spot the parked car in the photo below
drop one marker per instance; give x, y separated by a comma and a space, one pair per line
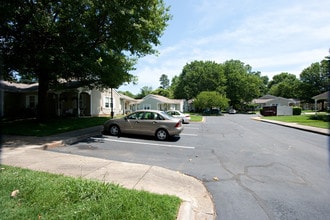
177, 114
145, 122
212, 111
232, 111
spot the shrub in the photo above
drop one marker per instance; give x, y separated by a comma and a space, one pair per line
325, 118
296, 111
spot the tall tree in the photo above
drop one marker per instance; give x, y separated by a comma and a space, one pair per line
93, 42
242, 84
314, 80
162, 92
284, 85
199, 76
164, 81
210, 99
145, 90
127, 93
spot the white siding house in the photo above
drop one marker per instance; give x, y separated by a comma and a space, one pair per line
283, 105
162, 103
270, 100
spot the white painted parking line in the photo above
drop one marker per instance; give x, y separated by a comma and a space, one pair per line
195, 135
144, 143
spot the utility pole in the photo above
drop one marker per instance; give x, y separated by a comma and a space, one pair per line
111, 103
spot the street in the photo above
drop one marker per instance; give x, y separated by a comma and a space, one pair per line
253, 170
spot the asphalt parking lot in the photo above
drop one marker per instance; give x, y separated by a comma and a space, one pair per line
253, 170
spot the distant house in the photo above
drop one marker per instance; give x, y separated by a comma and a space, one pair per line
162, 103
270, 100
278, 105
324, 98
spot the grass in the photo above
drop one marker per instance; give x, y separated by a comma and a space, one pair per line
196, 118
34, 128
304, 119
49, 196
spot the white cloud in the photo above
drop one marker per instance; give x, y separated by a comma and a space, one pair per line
271, 36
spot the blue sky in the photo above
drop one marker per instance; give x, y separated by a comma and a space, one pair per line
271, 36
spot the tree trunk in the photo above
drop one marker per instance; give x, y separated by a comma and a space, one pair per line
42, 114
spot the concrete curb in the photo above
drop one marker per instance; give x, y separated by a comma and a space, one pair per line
185, 211
322, 131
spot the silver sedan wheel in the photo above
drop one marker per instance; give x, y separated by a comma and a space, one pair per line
161, 134
114, 130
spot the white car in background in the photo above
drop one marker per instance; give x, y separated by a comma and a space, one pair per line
232, 111
177, 114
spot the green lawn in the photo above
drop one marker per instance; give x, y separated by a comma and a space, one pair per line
304, 119
55, 126
49, 196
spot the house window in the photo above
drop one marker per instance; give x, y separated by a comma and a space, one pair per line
107, 102
31, 101
147, 106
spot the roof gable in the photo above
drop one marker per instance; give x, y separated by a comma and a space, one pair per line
322, 96
18, 87
162, 99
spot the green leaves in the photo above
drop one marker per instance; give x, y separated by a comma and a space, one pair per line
64, 38
199, 76
209, 99
233, 80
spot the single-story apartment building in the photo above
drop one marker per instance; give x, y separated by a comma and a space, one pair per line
324, 99
282, 105
19, 100
270, 100
161, 103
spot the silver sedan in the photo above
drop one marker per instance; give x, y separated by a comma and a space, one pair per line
145, 122
177, 114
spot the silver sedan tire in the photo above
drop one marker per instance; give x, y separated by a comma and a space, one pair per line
161, 135
114, 130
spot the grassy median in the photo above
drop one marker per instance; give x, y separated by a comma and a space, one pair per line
320, 120
55, 126
26, 194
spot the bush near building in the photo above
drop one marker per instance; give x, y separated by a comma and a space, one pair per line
296, 111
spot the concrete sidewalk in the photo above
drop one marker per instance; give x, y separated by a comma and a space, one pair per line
27, 152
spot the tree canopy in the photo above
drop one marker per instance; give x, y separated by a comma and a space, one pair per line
314, 80
232, 79
242, 85
199, 76
210, 99
93, 42
164, 81
144, 91
284, 85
